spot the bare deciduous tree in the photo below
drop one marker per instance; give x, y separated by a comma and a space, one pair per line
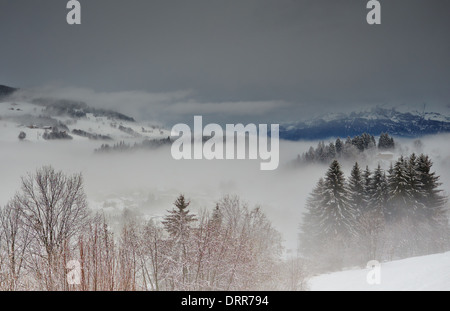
54, 209
16, 241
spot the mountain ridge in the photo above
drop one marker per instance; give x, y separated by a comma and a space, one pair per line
375, 121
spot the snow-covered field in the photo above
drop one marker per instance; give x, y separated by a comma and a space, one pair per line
426, 273
13, 116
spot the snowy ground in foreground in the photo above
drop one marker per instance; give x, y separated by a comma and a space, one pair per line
425, 273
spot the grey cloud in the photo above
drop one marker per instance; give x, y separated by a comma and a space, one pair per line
319, 55
229, 108
166, 108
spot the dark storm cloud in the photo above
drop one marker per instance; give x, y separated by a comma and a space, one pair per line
313, 54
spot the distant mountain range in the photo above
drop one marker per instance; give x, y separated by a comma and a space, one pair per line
375, 121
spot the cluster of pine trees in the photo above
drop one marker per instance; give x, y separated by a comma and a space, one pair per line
386, 142
351, 148
375, 215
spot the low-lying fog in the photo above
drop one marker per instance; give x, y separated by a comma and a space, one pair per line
149, 181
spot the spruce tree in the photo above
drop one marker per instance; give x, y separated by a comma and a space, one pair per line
331, 151
416, 208
356, 190
178, 225
432, 197
399, 195
338, 216
310, 156
320, 152
367, 191
178, 222
386, 142
310, 234
380, 191
381, 141
373, 143
339, 147
435, 204
358, 142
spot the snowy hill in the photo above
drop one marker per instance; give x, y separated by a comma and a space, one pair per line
38, 119
375, 121
426, 273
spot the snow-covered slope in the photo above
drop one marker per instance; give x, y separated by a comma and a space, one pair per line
426, 273
36, 119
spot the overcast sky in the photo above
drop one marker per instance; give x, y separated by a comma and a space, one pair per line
245, 57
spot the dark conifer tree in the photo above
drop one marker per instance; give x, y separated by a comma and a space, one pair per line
432, 196
367, 191
416, 208
356, 190
380, 191
338, 216
339, 147
310, 234
178, 222
399, 194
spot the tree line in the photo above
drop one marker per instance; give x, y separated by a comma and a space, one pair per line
375, 215
146, 144
348, 149
47, 226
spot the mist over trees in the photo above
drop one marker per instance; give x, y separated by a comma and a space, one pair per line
349, 149
47, 226
375, 215
147, 144
47, 232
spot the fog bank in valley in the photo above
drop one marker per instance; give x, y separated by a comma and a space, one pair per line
154, 174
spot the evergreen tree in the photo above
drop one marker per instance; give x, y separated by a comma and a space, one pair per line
356, 190
331, 152
416, 207
391, 169
310, 232
399, 195
338, 217
358, 142
216, 218
432, 196
382, 141
349, 149
178, 222
380, 191
339, 147
371, 224
348, 141
386, 142
320, 152
367, 191
367, 141
435, 204
178, 225
372, 141
310, 155
391, 143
